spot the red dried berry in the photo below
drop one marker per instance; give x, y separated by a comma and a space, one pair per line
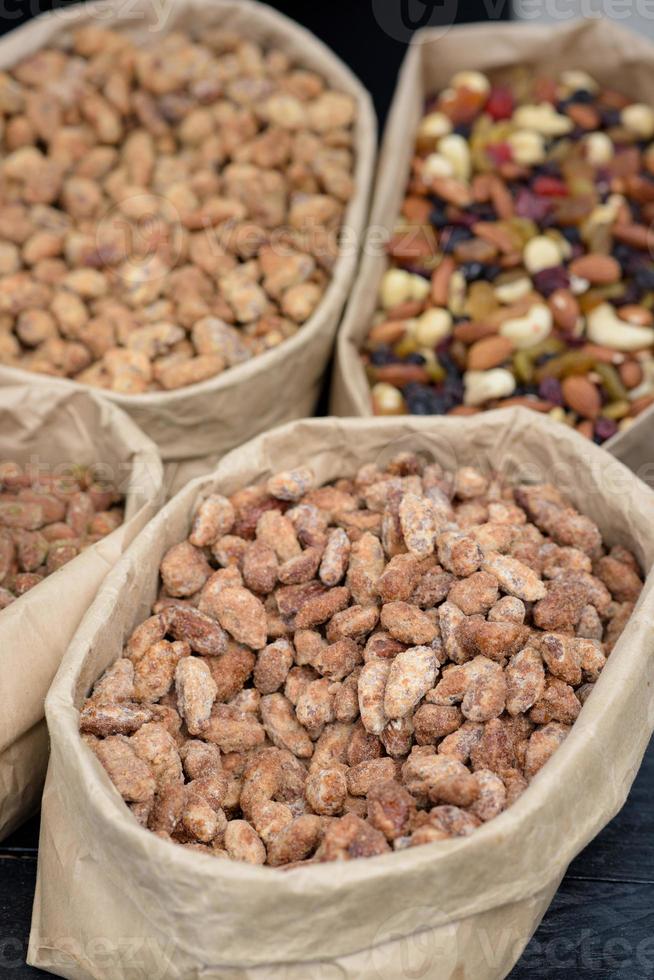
550, 187
500, 103
500, 153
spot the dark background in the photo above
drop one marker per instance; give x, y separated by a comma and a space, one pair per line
600, 925
363, 32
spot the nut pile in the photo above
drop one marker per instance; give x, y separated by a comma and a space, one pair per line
336, 672
46, 520
166, 212
521, 268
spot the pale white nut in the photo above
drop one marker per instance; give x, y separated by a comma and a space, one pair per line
599, 148
394, 288
604, 327
386, 398
639, 120
413, 672
527, 147
527, 331
578, 285
457, 293
419, 288
606, 214
541, 252
543, 119
436, 165
511, 292
483, 386
432, 326
576, 80
456, 151
475, 81
434, 126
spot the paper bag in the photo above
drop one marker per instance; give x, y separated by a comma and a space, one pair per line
615, 56
52, 427
114, 900
209, 418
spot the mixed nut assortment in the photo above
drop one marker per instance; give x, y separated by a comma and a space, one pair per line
332, 672
166, 211
521, 267
47, 519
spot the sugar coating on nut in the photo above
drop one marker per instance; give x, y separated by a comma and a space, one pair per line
311, 687
47, 518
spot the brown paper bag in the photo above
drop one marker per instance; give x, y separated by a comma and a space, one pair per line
209, 418
52, 427
615, 56
114, 900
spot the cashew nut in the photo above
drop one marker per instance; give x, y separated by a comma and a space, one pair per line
475, 81
541, 253
454, 148
432, 326
483, 386
599, 149
576, 80
527, 331
434, 126
511, 292
437, 165
397, 286
543, 118
639, 119
604, 327
527, 147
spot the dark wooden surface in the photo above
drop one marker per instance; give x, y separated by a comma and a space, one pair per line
600, 925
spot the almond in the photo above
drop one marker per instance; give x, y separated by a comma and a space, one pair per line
564, 308
584, 116
600, 270
489, 353
388, 332
452, 190
582, 397
469, 332
440, 281
640, 404
639, 315
631, 374
636, 235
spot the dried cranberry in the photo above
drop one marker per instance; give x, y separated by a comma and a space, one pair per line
604, 429
528, 205
500, 103
500, 153
550, 187
548, 280
550, 391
